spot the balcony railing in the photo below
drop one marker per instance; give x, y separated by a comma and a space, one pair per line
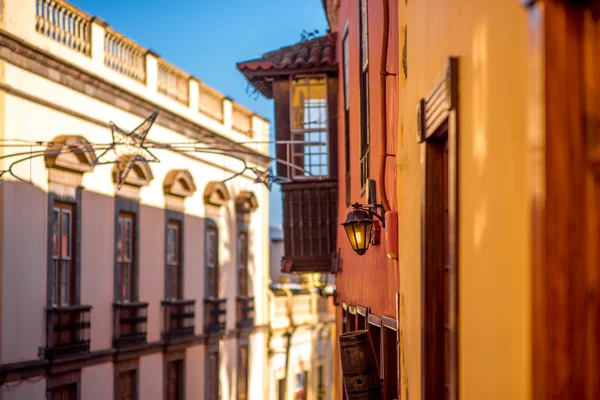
309, 226
65, 24
130, 321
106, 50
241, 120
215, 313
173, 83
67, 331
245, 312
210, 102
124, 56
179, 319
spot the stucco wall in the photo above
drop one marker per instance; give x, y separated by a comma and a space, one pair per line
494, 284
193, 264
24, 271
151, 377
355, 283
97, 382
97, 259
25, 390
152, 267
195, 371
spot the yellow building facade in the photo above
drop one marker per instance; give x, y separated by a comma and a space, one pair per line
488, 40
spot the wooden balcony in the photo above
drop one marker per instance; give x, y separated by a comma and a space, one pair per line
179, 319
245, 312
129, 320
309, 225
67, 331
215, 313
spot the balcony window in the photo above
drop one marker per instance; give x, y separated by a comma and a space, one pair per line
365, 137
63, 255
173, 256
309, 126
125, 257
212, 260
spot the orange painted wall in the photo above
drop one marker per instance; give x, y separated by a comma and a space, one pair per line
370, 280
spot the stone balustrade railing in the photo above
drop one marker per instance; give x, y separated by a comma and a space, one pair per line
241, 119
124, 56
210, 102
64, 23
173, 82
103, 47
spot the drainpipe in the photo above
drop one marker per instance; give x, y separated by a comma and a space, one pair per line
383, 108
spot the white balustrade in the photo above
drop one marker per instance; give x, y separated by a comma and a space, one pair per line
65, 24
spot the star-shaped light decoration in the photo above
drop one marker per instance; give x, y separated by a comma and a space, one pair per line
127, 148
267, 177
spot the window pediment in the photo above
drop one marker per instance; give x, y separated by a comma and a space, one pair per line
179, 182
246, 202
71, 153
140, 174
216, 194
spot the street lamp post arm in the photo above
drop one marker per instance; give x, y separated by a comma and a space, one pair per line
367, 208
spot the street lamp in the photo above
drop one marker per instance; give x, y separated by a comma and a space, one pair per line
359, 226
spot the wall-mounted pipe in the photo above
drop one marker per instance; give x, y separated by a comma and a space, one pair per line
383, 108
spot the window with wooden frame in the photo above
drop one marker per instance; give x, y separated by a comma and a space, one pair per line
65, 392
361, 318
365, 137
212, 376
63, 255
346, 78
389, 361
438, 125
173, 258
309, 126
242, 250
301, 385
212, 260
242, 384
174, 380
126, 242
374, 328
126, 381
351, 318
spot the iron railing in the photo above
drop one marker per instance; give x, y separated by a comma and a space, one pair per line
67, 331
245, 311
215, 313
130, 321
178, 319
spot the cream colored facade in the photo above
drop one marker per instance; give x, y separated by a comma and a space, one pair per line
301, 336
65, 81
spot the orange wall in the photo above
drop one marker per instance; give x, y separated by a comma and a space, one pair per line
370, 280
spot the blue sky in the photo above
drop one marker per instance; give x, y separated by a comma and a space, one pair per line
207, 37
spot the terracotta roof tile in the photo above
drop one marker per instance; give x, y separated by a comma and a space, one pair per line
317, 52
